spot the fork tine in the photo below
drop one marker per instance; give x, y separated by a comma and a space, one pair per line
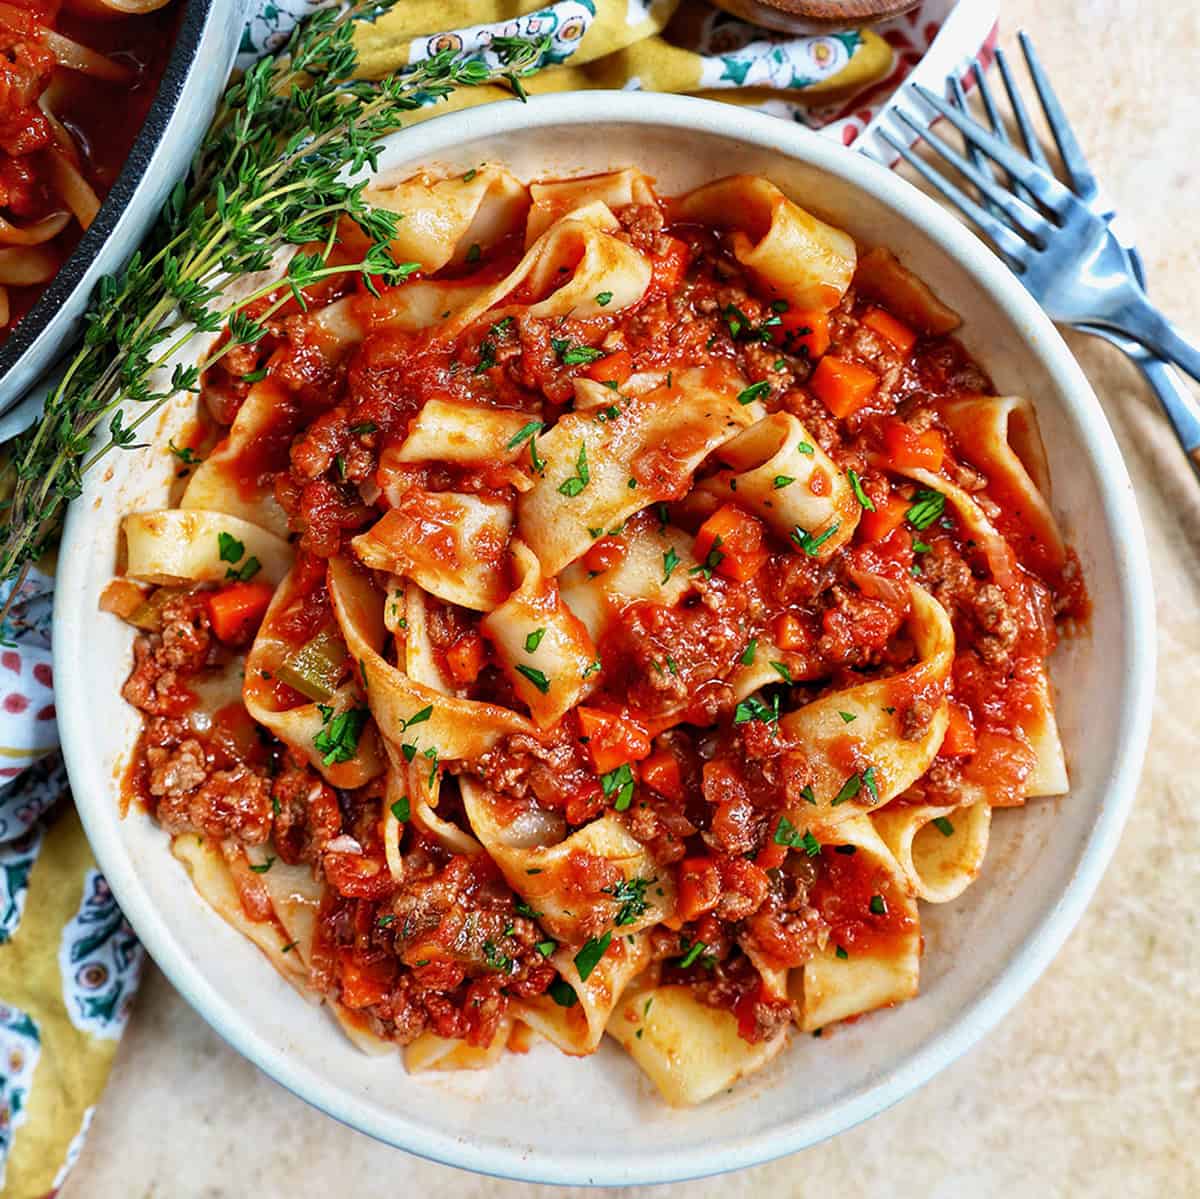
997, 122
1033, 147
1069, 148
1019, 214
1007, 242
1045, 188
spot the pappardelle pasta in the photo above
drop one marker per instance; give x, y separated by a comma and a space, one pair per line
621, 626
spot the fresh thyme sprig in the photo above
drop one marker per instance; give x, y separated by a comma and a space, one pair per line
271, 173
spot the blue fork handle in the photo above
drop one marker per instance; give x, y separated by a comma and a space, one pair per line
1181, 407
1139, 319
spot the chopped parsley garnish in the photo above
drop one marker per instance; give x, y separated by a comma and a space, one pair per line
943, 826
810, 544
546, 948
735, 319
338, 739
808, 794
592, 668
841, 953
927, 506
247, 570
712, 560
533, 640
611, 412
525, 433
418, 717
288, 947
749, 652
754, 391
630, 893
473, 252
862, 497
409, 750
263, 867
536, 677
363, 428
571, 355
868, 778
783, 481
878, 905
495, 959
186, 454
618, 782
582, 476
470, 175
523, 909
604, 298
753, 708
670, 561
921, 547
694, 951
672, 665
805, 448
487, 357
780, 364
588, 958
848, 717
339, 464
781, 669
401, 809
812, 846
850, 788
562, 993
229, 548
384, 921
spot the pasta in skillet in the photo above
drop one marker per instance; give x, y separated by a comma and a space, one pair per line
622, 626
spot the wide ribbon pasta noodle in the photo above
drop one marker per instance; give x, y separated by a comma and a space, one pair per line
603, 667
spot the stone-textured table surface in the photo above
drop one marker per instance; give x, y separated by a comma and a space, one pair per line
1090, 1086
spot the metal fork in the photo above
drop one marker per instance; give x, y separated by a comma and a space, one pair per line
1062, 243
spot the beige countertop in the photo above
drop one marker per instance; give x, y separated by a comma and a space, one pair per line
1091, 1086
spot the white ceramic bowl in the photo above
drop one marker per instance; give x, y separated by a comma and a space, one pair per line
551, 1118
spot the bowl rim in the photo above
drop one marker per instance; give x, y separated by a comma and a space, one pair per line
1134, 598
193, 22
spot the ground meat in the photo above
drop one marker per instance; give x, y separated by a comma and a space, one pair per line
162, 660
550, 770
916, 719
947, 577
1000, 626
644, 224
308, 816
229, 803
175, 773
856, 627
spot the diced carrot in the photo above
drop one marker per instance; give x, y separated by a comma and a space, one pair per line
887, 517
887, 326
802, 331
1000, 765
734, 539
236, 611
843, 387
771, 856
959, 741
668, 268
466, 657
907, 448
612, 739
660, 772
698, 888
366, 984
612, 368
789, 632
604, 555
